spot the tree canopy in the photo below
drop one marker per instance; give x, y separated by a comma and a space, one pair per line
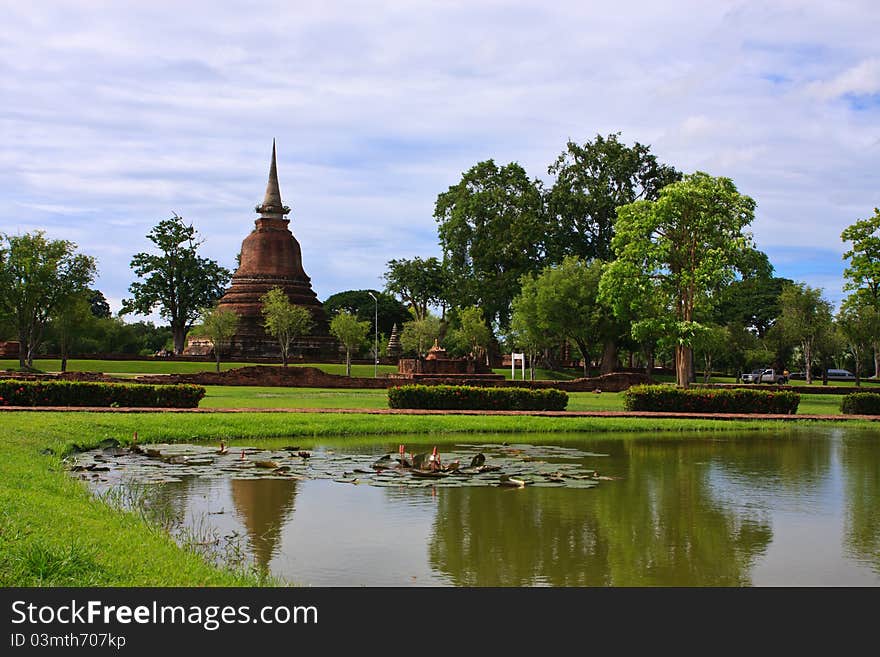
361, 304
219, 324
863, 272
592, 181
38, 278
177, 281
350, 332
681, 248
806, 318
493, 229
421, 283
284, 320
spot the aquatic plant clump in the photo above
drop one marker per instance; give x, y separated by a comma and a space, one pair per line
477, 398
14, 392
706, 400
512, 466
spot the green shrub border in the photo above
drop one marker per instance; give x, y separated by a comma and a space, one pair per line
15, 392
860, 403
476, 398
706, 400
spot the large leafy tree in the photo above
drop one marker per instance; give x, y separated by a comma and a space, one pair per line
863, 272
806, 319
471, 335
176, 280
38, 278
492, 230
751, 301
362, 305
681, 249
592, 181
72, 320
421, 283
858, 321
350, 332
283, 320
565, 304
219, 324
417, 335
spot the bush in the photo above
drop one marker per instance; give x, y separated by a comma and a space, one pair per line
705, 400
860, 403
15, 392
477, 398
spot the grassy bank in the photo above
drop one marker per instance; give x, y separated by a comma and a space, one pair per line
269, 397
53, 532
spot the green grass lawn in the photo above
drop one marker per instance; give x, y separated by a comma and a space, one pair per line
268, 397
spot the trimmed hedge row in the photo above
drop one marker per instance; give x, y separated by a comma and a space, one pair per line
860, 403
476, 398
15, 392
705, 400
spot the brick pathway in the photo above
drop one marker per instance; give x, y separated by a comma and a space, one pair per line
398, 411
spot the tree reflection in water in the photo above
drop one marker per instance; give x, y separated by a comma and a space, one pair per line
263, 507
659, 525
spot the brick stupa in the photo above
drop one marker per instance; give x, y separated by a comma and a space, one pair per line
271, 257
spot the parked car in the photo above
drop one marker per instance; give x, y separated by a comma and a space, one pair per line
764, 376
841, 375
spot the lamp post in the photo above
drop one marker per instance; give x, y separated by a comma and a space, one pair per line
376, 333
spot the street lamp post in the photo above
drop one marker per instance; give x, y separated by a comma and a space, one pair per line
376, 333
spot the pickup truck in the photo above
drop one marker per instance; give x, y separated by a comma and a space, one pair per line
764, 376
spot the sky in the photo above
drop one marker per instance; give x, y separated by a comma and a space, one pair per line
114, 115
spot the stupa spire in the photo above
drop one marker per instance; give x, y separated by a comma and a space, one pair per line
272, 206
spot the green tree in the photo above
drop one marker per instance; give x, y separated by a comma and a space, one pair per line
566, 304
681, 248
219, 324
178, 281
38, 278
98, 304
360, 303
863, 273
419, 282
417, 335
527, 331
350, 332
492, 230
805, 318
284, 320
72, 320
472, 333
857, 320
592, 181
709, 343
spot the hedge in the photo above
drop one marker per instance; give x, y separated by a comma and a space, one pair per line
15, 392
477, 398
860, 403
705, 400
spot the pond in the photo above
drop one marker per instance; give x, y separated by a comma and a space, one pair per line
796, 508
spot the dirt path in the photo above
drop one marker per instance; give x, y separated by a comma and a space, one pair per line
398, 411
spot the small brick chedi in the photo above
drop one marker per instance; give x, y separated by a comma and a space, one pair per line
271, 257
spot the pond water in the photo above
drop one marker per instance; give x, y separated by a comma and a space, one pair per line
799, 508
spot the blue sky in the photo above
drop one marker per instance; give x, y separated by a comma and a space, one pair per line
116, 114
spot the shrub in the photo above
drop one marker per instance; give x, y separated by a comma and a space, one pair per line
705, 400
477, 398
80, 393
860, 403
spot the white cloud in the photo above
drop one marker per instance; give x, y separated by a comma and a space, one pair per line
862, 79
114, 116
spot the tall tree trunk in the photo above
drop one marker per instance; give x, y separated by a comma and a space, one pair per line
609, 356
217, 356
808, 358
582, 347
683, 366
22, 349
632, 360
178, 331
876, 346
347, 361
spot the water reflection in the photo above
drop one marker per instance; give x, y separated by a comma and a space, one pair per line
660, 525
784, 509
263, 506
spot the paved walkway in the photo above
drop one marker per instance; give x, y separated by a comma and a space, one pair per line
406, 411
